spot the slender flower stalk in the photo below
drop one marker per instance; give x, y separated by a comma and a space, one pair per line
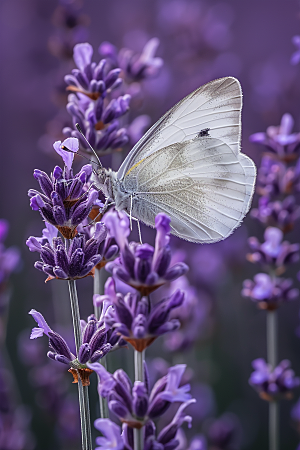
85, 420
272, 350
98, 290
138, 434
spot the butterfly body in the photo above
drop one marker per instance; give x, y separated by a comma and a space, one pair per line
189, 166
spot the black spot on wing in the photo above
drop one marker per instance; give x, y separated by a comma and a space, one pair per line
203, 132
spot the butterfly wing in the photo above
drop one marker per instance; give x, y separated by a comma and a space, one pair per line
216, 105
202, 184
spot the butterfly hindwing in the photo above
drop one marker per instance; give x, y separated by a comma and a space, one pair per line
203, 186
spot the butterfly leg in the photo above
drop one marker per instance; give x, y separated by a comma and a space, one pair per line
102, 211
139, 228
130, 216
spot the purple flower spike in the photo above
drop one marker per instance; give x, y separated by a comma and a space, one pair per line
134, 405
146, 268
65, 200
273, 251
77, 261
92, 348
280, 139
138, 321
275, 178
283, 214
269, 293
92, 104
272, 384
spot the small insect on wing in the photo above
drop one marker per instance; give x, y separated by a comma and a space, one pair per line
202, 184
216, 105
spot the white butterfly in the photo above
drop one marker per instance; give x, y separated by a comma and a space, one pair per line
189, 166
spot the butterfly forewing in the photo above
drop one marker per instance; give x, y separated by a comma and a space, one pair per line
216, 105
201, 184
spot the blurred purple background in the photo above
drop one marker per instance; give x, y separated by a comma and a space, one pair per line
200, 41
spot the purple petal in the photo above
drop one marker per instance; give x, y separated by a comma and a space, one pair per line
82, 55
111, 439
107, 381
33, 244
50, 232
36, 332
38, 317
72, 144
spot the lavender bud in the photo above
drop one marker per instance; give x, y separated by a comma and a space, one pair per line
84, 353
139, 399
59, 345
176, 271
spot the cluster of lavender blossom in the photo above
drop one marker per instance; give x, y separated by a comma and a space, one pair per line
278, 211
100, 95
65, 201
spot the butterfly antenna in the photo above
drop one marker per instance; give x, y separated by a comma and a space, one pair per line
81, 132
77, 153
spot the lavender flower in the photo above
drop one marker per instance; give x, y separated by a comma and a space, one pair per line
69, 262
135, 67
137, 320
167, 439
275, 179
99, 123
97, 340
91, 107
269, 293
64, 201
90, 78
143, 267
135, 404
115, 222
273, 251
272, 384
282, 214
280, 140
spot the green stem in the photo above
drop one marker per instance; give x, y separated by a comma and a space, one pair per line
138, 435
99, 281
272, 349
85, 420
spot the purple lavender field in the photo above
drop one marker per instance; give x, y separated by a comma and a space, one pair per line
217, 324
